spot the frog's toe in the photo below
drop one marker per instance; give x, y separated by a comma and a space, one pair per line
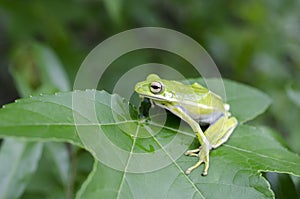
204, 173
189, 170
193, 152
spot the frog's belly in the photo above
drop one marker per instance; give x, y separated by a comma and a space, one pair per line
204, 118
207, 119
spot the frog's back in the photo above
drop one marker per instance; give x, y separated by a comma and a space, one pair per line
200, 103
195, 94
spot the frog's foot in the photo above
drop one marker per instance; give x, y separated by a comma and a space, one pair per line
203, 154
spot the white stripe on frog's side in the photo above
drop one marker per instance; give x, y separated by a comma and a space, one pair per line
189, 103
196, 105
169, 98
200, 118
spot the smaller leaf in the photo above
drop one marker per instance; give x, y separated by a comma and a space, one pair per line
294, 95
36, 69
60, 158
45, 182
283, 185
24, 156
114, 9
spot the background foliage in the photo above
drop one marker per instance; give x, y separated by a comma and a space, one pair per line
252, 42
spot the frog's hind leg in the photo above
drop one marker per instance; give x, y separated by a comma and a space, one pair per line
219, 132
216, 134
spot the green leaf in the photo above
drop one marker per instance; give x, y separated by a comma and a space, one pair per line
283, 185
235, 167
294, 95
25, 157
40, 118
245, 102
46, 182
51, 178
235, 171
114, 9
35, 69
262, 150
59, 155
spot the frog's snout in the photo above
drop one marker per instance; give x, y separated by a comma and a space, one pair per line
138, 88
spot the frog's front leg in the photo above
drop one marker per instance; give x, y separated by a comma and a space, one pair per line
204, 142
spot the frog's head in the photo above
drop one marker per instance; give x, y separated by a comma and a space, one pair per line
154, 88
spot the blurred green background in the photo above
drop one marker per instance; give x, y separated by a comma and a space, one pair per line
253, 42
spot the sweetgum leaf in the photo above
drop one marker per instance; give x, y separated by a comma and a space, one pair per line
234, 172
235, 167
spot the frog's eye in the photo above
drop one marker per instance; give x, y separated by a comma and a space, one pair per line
156, 87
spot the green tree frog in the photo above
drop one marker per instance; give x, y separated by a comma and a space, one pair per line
195, 105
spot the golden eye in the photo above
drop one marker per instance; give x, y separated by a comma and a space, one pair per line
156, 87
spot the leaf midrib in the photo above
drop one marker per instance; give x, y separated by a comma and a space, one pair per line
175, 163
71, 124
128, 161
